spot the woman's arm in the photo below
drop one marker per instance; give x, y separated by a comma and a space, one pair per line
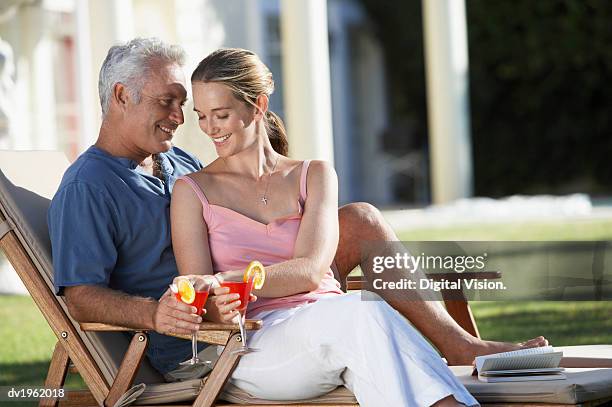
192, 251
317, 239
189, 232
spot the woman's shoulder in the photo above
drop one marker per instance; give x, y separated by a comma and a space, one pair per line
204, 178
316, 166
319, 168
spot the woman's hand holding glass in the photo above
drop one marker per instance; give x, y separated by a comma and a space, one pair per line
223, 305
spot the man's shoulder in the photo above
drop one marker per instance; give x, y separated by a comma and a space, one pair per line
186, 159
87, 169
91, 175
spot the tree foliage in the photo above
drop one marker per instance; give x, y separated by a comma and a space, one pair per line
539, 73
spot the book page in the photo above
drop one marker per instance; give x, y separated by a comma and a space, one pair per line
532, 358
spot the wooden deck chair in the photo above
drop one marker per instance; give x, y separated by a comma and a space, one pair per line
110, 362
106, 359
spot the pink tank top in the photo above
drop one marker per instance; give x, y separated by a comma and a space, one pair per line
235, 240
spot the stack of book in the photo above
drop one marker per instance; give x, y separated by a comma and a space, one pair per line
521, 365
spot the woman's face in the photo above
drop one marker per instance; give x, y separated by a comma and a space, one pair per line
229, 122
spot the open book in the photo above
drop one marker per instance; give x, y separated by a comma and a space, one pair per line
521, 365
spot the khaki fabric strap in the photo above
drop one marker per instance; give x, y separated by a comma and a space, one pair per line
5, 227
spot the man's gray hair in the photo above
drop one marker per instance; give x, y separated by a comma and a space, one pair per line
129, 64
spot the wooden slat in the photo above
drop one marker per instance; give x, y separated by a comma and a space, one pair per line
56, 375
80, 398
220, 374
290, 405
128, 369
461, 312
250, 324
206, 334
54, 314
212, 337
226, 404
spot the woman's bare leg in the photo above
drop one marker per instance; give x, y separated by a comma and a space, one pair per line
362, 221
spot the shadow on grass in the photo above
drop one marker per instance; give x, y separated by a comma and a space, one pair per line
33, 374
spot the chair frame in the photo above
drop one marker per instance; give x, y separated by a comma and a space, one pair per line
71, 355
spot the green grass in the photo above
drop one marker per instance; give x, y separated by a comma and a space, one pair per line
27, 341
563, 323
573, 230
27, 345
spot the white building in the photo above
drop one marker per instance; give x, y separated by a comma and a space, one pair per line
328, 68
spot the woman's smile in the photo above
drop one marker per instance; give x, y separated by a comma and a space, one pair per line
220, 141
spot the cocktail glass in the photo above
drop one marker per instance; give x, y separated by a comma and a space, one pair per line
201, 295
244, 290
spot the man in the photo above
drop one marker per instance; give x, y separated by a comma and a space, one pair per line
109, 221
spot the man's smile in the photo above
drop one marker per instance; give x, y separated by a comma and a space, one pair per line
167, 130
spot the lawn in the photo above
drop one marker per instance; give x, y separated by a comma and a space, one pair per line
575, 230
27, 342
27, 345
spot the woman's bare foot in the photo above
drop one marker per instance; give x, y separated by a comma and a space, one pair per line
477, 347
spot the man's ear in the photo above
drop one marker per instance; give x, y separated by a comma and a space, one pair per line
262, 106
120, 95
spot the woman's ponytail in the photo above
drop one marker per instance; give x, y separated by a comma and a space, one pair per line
277, 133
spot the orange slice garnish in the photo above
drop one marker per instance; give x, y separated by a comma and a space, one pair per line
186, 291
256, 271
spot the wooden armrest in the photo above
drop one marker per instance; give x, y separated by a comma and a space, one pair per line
98, 327
210, 332
250, 324
358, 282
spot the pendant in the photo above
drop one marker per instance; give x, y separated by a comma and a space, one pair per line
264, 200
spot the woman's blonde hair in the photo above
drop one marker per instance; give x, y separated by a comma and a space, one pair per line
243, 72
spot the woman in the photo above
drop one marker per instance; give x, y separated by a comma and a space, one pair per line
260, 205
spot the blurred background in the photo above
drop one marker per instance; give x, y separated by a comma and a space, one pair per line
460, 119
532, 92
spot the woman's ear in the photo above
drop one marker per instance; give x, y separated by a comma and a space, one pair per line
262, 106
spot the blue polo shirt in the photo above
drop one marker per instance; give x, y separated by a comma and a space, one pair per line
109, 224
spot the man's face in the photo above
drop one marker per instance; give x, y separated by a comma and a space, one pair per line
151, 123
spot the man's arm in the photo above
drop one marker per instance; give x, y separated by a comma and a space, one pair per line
88, 303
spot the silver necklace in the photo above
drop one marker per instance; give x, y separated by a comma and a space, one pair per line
264, 198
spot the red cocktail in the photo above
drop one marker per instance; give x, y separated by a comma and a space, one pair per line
244, 290
241, 288
185, 292
198, 302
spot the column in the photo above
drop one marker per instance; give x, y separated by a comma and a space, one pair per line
446, 61
113, 23
86, 95
307, 95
